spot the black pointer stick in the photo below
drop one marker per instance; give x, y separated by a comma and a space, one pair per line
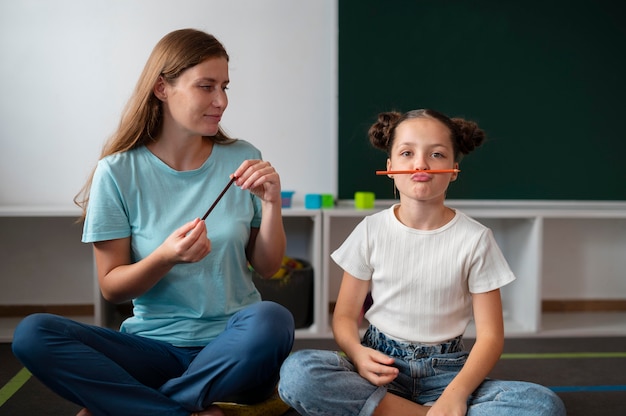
219, 197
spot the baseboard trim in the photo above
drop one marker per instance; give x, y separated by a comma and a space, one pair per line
11, 311
587, 305
550, 305
570, 305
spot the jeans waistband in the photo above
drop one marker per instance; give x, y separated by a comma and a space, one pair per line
373, 338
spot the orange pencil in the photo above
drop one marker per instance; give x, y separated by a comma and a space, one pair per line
400, 172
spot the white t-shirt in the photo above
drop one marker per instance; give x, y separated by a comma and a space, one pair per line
422, 281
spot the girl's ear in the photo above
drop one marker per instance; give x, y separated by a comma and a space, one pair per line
159, 89
389, 166
455, 174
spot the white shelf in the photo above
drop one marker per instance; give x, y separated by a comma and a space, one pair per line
558, 250
304, 230
39, 211
530, 235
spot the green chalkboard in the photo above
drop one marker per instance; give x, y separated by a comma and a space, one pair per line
544, 79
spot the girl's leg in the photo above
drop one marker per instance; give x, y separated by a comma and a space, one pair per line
106, 371
325, 383
241, 364
502, 398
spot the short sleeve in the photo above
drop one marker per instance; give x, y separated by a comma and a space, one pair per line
106, 217
353, 255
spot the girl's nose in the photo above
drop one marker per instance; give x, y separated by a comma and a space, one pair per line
420, 163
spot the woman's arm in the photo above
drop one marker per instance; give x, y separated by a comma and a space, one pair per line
371, 364
483, 357
120, 280
266, 246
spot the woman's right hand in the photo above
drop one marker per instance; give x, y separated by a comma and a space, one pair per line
188, 244
121, 280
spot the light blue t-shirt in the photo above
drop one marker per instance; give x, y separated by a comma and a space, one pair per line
136, 194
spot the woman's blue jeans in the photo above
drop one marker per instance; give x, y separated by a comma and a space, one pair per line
326, 383
113, 373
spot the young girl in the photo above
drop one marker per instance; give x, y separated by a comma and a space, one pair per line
430, 269
199, 331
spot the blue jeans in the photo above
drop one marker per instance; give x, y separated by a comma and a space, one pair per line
113, 373
325, 383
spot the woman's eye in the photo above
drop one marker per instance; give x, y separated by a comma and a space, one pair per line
405, 153
437, 155
207, 87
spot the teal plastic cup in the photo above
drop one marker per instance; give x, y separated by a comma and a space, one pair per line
313, 201
286, 197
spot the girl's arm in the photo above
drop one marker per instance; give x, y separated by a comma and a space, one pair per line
120, 280
483, 357
266, 246
371, 364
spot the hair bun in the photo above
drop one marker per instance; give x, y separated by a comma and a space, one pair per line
470, 136
380, 132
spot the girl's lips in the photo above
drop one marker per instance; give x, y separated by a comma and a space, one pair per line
420, 177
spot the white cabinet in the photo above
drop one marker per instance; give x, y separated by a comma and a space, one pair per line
517, 234
42, 260
303, 228
558, 250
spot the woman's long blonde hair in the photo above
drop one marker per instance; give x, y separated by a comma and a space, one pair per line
142, 117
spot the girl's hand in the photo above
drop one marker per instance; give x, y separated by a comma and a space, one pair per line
374, 366
188, 244
261, 178
443, 407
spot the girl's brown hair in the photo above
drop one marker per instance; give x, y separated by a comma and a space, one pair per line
465, 134
142, 117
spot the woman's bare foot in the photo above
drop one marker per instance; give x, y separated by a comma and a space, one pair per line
83, 412
212, 410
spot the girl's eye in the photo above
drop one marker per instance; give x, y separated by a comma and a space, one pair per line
405, 153
437, 155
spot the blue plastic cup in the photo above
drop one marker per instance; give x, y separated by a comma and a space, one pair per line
286, 197
313, 201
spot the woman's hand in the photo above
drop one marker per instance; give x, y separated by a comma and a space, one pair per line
260, 178
374, 366
188, 244
121, 280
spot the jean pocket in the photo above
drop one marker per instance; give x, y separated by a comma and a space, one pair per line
446, 363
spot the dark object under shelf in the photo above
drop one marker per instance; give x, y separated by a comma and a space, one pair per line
294, 291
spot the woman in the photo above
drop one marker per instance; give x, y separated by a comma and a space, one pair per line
430, 269
199, 331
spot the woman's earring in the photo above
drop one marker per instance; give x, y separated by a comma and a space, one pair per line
395, 191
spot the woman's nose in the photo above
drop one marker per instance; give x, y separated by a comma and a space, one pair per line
220, 99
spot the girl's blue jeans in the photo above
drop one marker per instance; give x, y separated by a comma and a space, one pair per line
325, 383
114, 373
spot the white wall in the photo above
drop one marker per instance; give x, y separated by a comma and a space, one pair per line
67, 68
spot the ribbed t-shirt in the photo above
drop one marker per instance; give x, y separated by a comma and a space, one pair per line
422, 281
